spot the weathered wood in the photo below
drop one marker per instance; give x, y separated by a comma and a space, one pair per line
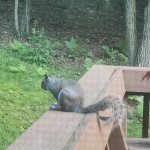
124, 123
51, 131
117, 140
145, 125
134, 82
93, 82
95, 136
116, 87
138, 144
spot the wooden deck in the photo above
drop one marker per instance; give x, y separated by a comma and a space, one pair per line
57, 130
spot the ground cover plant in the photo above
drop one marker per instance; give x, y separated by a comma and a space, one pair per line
21, 100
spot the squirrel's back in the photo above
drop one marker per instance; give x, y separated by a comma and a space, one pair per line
68, 93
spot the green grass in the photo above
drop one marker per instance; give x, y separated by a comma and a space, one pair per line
22, 101
135, 118
135, 128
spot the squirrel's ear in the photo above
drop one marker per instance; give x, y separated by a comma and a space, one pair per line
46, 76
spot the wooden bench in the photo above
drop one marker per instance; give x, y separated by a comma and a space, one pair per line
57, 130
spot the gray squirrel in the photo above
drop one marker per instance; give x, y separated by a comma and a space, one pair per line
70, 98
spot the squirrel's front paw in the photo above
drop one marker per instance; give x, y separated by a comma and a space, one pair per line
55, 107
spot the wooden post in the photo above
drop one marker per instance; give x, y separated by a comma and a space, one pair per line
145, 116
124, 123
117, 140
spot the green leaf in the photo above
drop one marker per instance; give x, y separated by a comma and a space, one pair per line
71, 44
88, 63
100, 62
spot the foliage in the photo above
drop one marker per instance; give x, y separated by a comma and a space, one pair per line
88, 63
134, 97
114, 55
71, 44
121, 47
135, 121
38, 49
73, 50
100, 62
135, 111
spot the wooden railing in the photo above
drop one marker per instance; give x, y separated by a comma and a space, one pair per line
57, 130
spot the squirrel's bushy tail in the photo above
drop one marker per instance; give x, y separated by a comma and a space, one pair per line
118, 110
109, 102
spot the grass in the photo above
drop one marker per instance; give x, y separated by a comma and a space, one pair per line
22, 101
135, 118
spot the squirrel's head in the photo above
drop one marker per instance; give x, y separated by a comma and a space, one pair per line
45, 81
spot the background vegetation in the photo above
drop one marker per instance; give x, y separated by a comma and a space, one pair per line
66, 38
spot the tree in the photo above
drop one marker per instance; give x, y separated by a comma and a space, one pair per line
16, 17
22, 26
131, 31
144, 55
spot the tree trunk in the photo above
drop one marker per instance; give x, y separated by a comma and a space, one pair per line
25, 19
22, 27
144, 55
131, 31
16, 17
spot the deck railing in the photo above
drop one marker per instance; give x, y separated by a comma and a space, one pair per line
57, 130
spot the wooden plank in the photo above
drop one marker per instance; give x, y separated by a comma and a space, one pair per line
52, 131
107, 147
145, 69
116, 87
95, 135
134, 82
124, 123
116, 84
145, 126
117, 140
94, 81
138, 144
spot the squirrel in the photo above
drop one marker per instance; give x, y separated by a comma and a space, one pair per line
70, 98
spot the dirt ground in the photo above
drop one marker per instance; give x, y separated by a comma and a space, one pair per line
82, 21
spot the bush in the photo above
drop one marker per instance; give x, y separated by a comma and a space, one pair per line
115, 57
37, 49
73, 50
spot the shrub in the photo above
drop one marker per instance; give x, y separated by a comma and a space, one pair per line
37, 49
73, 50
